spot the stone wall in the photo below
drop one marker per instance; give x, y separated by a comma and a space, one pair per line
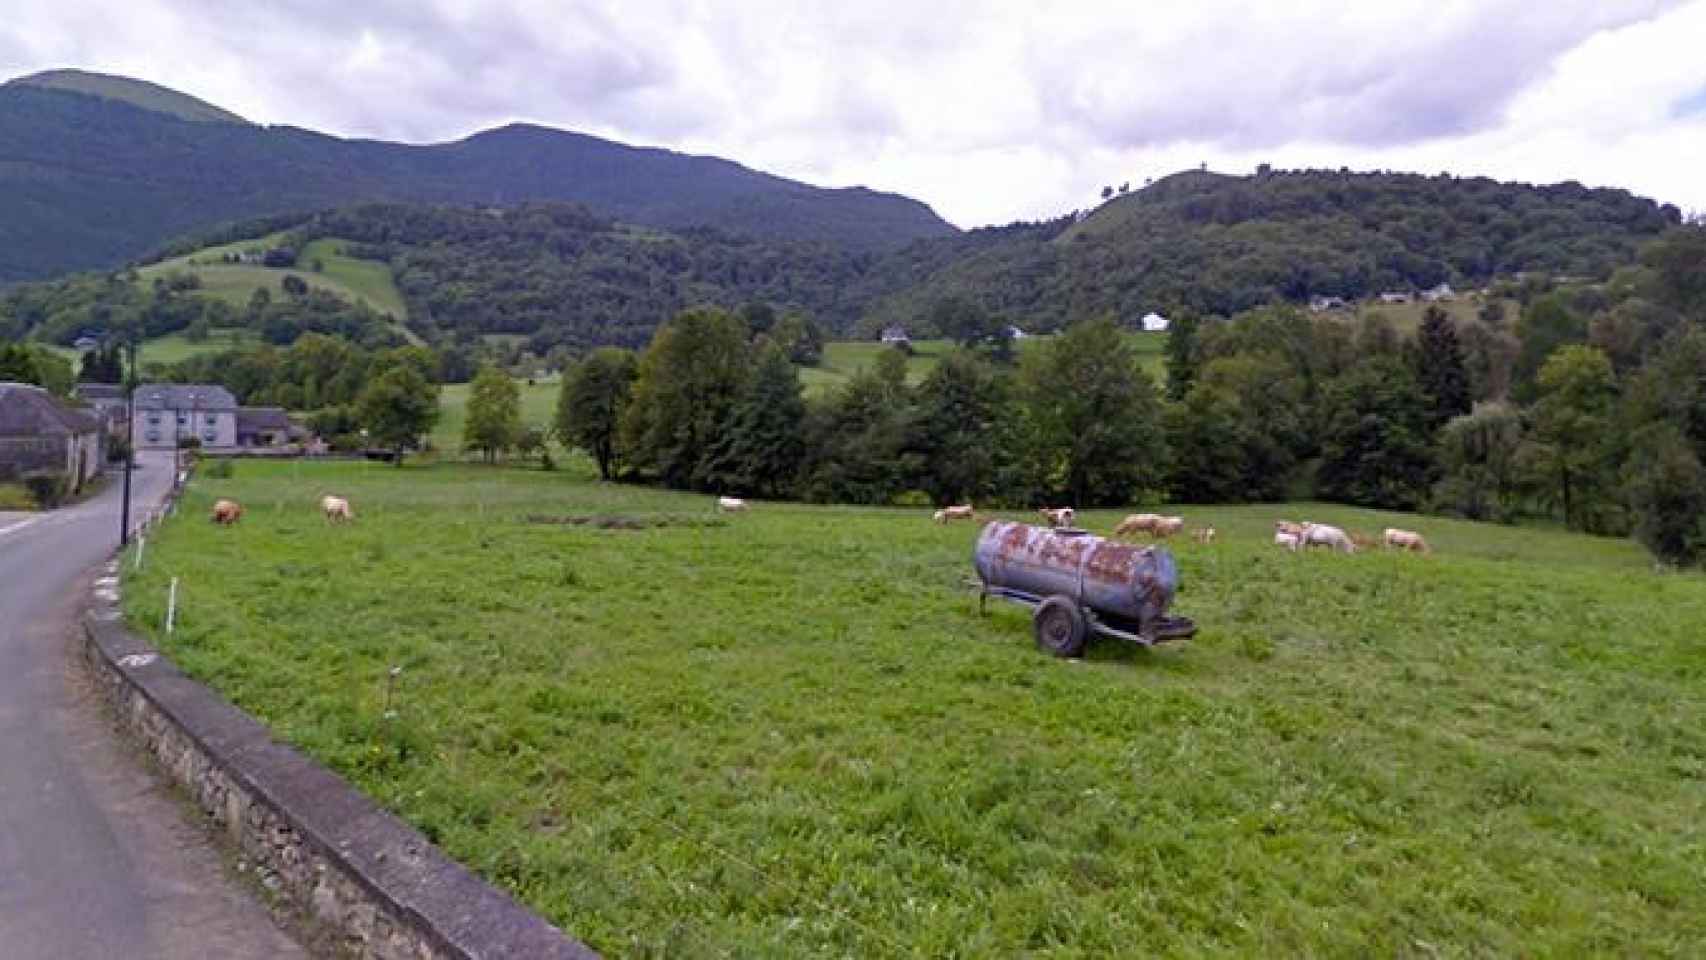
381, 885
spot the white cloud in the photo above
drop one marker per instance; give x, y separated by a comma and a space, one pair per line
990, 111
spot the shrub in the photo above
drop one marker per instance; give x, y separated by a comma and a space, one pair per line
219, 469
47, 488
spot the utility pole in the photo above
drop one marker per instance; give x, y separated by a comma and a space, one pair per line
129, 439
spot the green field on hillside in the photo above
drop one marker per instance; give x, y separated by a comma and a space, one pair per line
789, 732
843, 358
354, 280
538, 408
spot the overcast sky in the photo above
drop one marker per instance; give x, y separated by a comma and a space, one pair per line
988, 111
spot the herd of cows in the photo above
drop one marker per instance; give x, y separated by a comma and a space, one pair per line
1291, 535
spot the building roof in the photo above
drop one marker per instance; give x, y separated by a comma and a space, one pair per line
30, 411
99, 391
257, 419
183, 396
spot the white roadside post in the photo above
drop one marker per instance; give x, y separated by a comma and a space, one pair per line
172, 605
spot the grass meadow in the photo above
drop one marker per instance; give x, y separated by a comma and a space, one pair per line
790, 733
538, 408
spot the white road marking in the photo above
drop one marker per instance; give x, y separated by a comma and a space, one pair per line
19, 525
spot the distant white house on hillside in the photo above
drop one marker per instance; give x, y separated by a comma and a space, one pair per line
1154, 323
1319, 304
1014, 333
895, 334
1395, 296
1439, 294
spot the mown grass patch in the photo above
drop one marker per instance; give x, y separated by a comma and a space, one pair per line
843, 358
538, 409
794, 735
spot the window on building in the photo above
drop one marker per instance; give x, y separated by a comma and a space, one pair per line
153, 436
154, 419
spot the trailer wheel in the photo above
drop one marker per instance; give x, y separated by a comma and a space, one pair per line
1060, 626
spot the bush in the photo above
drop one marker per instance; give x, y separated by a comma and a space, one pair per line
219, 469
47, 488
117, 450
189, 443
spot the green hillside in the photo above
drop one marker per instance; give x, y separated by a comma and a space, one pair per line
140, 93
1222, 244
96, 179
844, 358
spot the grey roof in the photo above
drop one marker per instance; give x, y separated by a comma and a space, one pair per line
184, 396
100, 391
253, 419
30, 411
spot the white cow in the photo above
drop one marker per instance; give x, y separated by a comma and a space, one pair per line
731, 505
1323, 535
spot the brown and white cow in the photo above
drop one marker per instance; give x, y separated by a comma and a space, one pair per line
1406, 540
227, 512
1058, 516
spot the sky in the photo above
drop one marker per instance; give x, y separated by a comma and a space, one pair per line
988, 111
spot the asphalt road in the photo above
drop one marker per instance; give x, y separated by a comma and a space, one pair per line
98, 857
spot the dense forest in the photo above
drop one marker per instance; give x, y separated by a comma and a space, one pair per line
1221, 244
91, 182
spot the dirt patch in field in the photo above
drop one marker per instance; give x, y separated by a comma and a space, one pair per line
626, 523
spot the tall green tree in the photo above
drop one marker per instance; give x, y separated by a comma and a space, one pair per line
1374, 446
590, 402
1440, 370
959, 416
397, 409
1237, 435
1480, 463
1572, 422
761, 448
1093, 417
18, 364
1546, 324
494, 414
961, 320
1183, 354
688, 381
859, 439
1667, 493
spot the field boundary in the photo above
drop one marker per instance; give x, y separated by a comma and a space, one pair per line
372, 879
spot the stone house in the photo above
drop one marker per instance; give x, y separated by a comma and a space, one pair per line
40, 434
166, 415
262, 427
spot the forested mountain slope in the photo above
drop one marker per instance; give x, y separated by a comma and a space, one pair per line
92, 180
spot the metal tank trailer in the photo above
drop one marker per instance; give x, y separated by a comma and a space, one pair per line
1079, 584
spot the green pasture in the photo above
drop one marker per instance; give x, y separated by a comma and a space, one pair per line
790, 733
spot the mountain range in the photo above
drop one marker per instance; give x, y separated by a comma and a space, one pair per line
95, 170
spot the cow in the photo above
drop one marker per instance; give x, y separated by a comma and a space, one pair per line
226, 512
731, 505
962, 512
1204, 535
1288, 527
1167, 527
1137, 523
1406, 540
1058, 517
1323, 535
336, 509
1290, 541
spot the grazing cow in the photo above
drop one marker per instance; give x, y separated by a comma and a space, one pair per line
962, 512
336, 509
226, 512
731, 505
1290, 527
1058, 517
1323, 535
1204, 535
1290, 541
1167, 527
1137, 523
1406, 540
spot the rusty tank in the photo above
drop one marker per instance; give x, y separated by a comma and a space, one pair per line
1080, 584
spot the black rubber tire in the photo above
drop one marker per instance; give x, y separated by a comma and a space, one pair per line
1060, 627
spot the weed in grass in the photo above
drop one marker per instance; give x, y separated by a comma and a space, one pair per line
795, 735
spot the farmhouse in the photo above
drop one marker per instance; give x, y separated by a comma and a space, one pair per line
38, 433
1395, 296
1319, 304
1154, 323
1440, 294
167, 415
895, 335
263, 427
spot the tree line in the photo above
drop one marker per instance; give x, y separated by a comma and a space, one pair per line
1589, 406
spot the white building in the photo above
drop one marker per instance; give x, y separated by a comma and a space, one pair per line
167, 414
1154, 323
1441, 293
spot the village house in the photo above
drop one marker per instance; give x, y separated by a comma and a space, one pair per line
264, 428
1440, 294
895, 335
168, 415
1320, 304
106, 401
1395, 296
39, 434
1153, 322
